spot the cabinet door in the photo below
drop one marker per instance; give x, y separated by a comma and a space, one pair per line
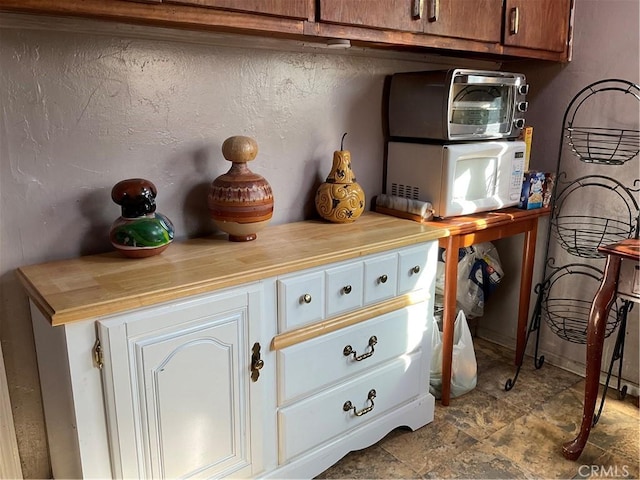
385, 14
541, 25
282, 8
180, 400
468, 19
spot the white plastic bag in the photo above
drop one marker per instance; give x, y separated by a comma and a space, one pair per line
464, 368
479, 272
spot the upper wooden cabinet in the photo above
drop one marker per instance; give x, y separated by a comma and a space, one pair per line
543, 24
471, 19
468, 19
387, 15
503, 29
302, 9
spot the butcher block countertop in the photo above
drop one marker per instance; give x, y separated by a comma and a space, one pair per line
92, 286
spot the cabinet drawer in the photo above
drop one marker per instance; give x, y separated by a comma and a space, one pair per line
313, 365
301, 299
416, 267
322, 293
344, 288
321, 418
380, 278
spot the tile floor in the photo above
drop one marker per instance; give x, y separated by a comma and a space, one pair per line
490, 433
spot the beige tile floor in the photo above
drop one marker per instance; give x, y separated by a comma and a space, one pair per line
490, 433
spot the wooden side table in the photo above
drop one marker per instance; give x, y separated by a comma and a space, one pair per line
602, 301
465, 231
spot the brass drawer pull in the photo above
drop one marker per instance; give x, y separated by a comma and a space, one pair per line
416, 269
346, 290
383, 279
306, 298
349, 406
348, 350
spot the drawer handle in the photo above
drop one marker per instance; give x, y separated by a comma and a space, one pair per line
416, 269
383, 279
349, 406
346, 290
306, 298
348, 350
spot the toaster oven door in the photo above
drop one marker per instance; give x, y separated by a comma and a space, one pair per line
481, 110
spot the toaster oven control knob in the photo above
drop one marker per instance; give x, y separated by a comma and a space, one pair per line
523, 106
523, 89
519, 123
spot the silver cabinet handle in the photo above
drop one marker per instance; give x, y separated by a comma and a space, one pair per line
383, 279
514, 21
416, 9
346, 290
433, 10
415, 270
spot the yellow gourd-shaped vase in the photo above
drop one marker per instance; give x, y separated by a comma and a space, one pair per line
340, 199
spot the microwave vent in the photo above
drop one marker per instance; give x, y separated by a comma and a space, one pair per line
405, 191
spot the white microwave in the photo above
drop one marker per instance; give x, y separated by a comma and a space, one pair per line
457, 179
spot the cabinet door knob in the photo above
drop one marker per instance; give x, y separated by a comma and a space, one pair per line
349, 406
346, 290
348, 350
306, 298
383, 279
416, 269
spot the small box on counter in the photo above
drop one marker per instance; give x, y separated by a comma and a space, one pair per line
537, 188
527, 136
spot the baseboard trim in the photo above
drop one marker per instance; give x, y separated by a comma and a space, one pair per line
9, 458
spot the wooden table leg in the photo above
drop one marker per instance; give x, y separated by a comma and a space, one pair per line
595, 338
449, 313
528, 256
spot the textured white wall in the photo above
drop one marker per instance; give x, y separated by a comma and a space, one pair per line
86, 104
606, 41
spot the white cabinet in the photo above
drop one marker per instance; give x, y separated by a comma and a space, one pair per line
342, 389
177, 396
178, 388
323, 352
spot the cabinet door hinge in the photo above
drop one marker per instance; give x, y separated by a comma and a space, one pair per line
98, 359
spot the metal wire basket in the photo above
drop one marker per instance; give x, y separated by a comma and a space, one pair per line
568, 317
611, 146
581, 234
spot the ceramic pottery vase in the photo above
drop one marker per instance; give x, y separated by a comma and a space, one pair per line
139, 231
340, 199
240, 202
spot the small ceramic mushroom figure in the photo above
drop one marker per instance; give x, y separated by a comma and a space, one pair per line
139, 231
